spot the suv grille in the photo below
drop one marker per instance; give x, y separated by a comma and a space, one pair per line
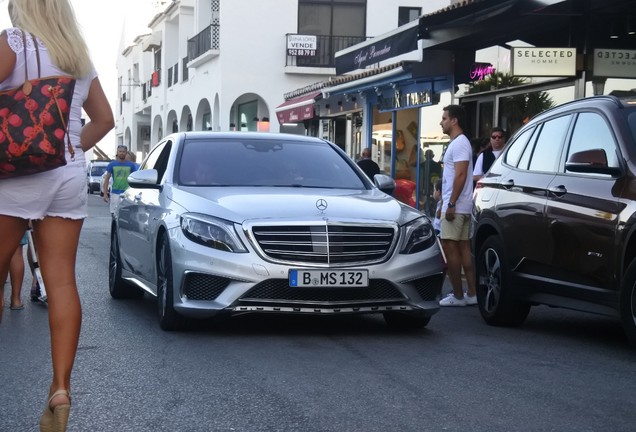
325, 244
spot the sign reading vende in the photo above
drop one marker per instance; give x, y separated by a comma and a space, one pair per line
301, 45
614, 63
544, 62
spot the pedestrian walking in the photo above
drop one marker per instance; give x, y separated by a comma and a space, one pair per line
457, 190
119, 170
46, 38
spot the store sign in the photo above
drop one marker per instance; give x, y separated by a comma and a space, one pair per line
544, 62
479, 71
375, 51
402, 100
302, 45
614, 63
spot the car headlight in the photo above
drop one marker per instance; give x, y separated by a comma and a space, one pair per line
211, 232
418, 236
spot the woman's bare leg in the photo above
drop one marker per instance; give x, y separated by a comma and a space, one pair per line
16, 273
56, 240
11, 231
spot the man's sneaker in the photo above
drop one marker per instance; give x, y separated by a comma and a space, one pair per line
451, 300
470, 300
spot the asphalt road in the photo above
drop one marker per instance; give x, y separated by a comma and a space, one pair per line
561, 371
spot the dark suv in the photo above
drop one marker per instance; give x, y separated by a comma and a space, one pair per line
555, 217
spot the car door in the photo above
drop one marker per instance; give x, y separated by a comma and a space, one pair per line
134, 220
522, 199
582, 215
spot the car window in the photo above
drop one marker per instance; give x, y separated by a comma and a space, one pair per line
151, 160
547, 149
265, 162
631, 119
516, 147
591, 131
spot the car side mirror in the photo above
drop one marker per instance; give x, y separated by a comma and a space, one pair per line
385, 183
592, 161
144, 179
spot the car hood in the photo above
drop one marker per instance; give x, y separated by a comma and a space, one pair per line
243, 204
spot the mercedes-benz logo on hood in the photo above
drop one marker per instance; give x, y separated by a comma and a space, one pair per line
321, 205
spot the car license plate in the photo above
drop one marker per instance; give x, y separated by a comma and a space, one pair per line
329, 278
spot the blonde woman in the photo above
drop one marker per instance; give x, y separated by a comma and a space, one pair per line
54, 200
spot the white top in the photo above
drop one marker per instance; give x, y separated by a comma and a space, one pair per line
47, 68
459, 150
479, 163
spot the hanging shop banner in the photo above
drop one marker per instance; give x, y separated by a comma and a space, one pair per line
614, 63
301, 45
374, 51
543, 62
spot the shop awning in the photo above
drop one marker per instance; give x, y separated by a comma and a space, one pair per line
298, 109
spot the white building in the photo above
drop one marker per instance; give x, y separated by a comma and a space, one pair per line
223, 65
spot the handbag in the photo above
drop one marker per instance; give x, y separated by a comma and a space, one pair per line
33, 119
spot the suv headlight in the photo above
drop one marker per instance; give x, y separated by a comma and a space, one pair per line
211, 232
418, 235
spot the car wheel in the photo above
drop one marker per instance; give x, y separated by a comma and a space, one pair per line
169, 319
628, 302
406, 320
118, 287
498, 303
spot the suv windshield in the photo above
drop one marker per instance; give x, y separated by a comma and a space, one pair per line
97, 171
265, 162
631, 119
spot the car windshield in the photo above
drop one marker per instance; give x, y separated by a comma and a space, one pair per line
97, 171
265, 162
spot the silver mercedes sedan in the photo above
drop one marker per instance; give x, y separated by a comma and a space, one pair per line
232, 223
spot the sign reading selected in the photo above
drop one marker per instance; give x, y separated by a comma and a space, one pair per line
543, 62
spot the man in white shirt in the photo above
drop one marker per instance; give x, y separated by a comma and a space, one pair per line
457, 204
490, 154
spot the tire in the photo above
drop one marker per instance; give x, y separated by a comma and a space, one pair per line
499, 305
406, 320
169, 319
628, 303
118, 287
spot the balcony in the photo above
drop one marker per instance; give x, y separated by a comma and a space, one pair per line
204, 45
326, 48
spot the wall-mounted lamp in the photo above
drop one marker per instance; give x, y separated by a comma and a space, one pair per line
631, 26
255, 119
340, 107
328, 108
598, 86
263, 125
232, 127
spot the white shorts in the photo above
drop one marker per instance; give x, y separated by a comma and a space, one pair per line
58, 193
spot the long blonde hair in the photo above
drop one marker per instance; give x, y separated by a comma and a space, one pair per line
54, 23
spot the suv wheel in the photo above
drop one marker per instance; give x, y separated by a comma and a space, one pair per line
498, 303
628, 302
118, 287
169, 319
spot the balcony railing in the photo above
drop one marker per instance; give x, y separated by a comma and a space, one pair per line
208, 39
327, 46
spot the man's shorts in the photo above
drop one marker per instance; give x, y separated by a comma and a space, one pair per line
114, 202
457, 229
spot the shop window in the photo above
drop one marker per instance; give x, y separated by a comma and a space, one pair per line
408, 14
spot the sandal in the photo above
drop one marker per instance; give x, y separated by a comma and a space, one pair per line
54, 419
13, 307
